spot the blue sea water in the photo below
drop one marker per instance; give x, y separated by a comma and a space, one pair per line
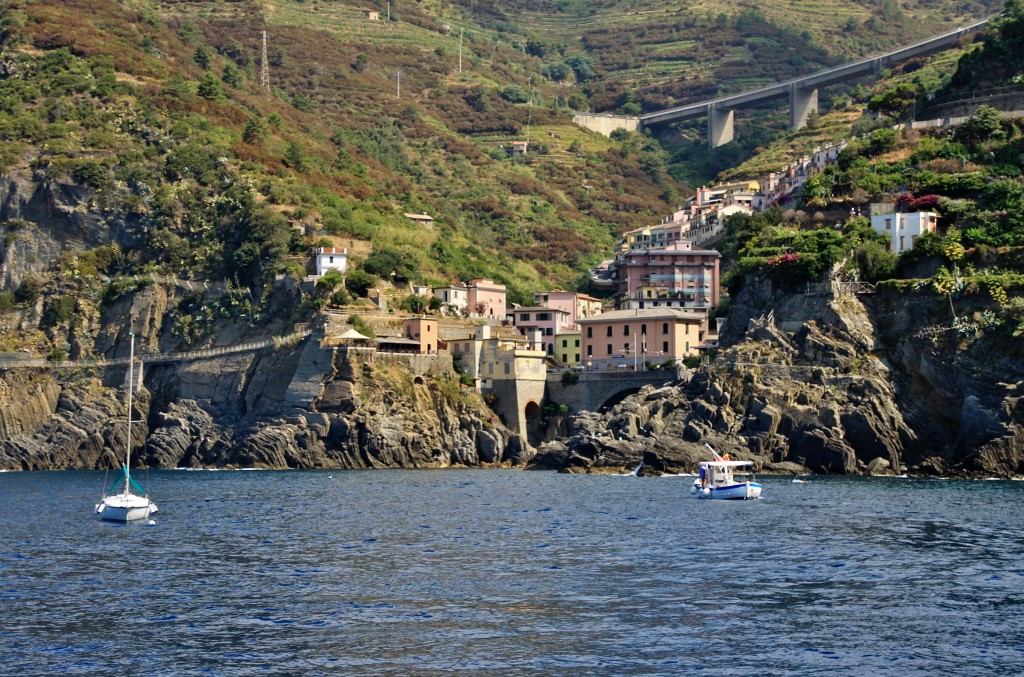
501, 572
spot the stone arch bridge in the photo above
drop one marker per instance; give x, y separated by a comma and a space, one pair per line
601, 390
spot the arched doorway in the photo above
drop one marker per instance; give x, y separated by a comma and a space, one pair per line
534, 432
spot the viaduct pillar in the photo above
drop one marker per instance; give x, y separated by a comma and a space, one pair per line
720, 125
802, 102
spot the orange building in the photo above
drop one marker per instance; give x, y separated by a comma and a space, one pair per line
625, 339
424, 330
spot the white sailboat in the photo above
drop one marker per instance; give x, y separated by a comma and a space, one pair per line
121, 503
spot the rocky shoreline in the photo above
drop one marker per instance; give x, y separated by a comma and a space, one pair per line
807, 383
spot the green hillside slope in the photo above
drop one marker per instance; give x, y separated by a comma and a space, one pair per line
158, 108
157, 111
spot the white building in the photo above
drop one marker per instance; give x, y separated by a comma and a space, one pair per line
455, 298
330, 258
903, 229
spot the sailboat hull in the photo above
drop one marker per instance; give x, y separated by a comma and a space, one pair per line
121, 508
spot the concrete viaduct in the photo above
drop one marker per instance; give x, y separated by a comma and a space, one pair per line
802, 93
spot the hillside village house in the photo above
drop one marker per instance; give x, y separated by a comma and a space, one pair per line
902, 229
479, 298
778, 187
577, 305
455, 298
424, 331
568, 347
486, 357
625, 339
547, 322
675, 276
486, 298
330, 258
424, 220
654, 237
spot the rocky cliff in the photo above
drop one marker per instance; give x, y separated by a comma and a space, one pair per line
238, 411
831, 382
294, 406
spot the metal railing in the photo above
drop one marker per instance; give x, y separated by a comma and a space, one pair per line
155, 358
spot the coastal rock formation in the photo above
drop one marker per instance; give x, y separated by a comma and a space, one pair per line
242, 411
296, 406
825, 381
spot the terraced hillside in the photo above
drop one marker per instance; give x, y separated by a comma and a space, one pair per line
154, 112
680, 51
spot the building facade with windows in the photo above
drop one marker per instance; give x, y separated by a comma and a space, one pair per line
568, 347
902, 229
330, 258
546, 322
486, 298
578, 305
454, 299
422, 330
626, 339
675, 277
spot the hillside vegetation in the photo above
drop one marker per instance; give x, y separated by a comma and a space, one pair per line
158, 109
154, 115
970, 175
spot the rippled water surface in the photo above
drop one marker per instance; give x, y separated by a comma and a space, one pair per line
495, 572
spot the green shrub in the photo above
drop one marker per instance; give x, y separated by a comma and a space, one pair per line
359, 282
91, 173
28, 291
360, 325
59, 310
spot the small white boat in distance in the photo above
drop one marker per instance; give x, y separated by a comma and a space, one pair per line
728, 480
127, 505
725, 480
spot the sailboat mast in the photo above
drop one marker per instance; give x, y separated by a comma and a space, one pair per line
128, 454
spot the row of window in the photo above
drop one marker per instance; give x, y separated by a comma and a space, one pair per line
627, 348
625, 330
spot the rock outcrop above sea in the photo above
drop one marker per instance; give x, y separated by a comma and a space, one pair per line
244, 411
823, 382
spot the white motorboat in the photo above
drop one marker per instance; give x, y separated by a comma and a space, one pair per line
126, 501
725, 479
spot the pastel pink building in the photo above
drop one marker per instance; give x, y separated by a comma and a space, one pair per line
546, 322
486, 298
579, 306
676, 276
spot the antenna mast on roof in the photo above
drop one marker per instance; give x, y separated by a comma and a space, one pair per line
264, 67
